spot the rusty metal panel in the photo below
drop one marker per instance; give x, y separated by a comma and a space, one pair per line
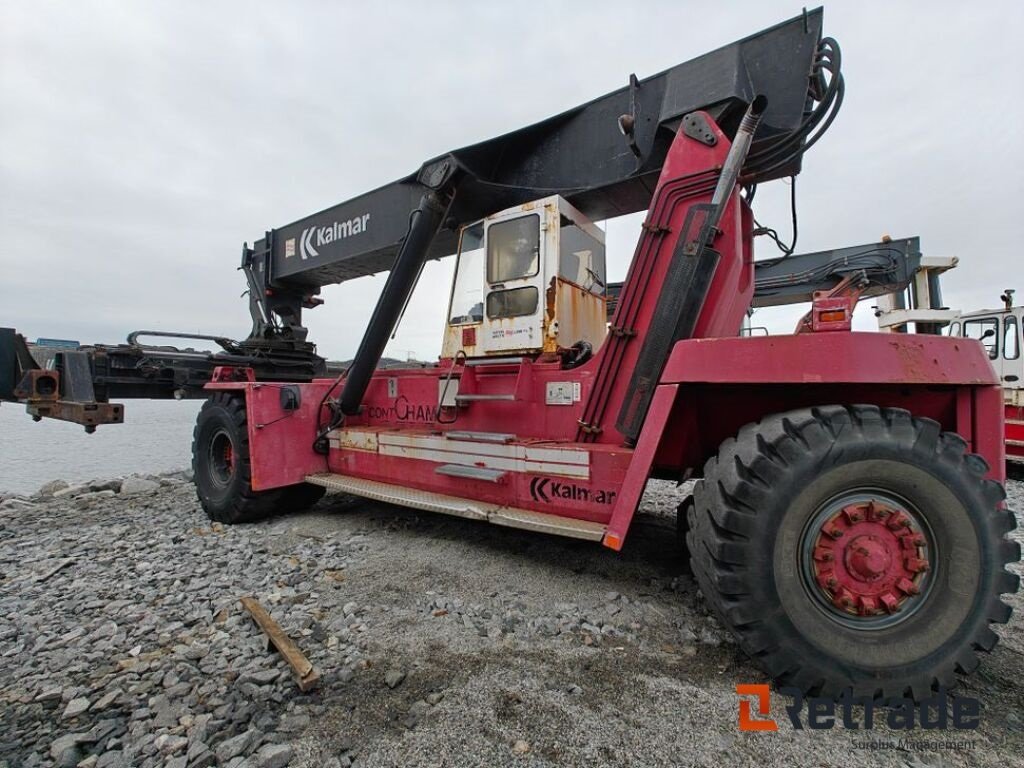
89, 415
354, 440
573, 314
40, 390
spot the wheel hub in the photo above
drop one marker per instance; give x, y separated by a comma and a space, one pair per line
867, 558
870, 559
222, 458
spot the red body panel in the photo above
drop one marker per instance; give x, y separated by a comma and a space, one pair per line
280, 441
584, 498
726, 383
414, 403
710, 388
1015, 433
636, 479
843, 358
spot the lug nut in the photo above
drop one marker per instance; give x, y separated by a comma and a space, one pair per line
907, 587
853, 514
823, 555
915, 565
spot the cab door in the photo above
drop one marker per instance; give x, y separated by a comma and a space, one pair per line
987, 330
1011, 367
514, 281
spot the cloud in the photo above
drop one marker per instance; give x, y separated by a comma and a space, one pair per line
143, 142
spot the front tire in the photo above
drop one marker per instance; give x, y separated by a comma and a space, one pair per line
853, 548
221, 465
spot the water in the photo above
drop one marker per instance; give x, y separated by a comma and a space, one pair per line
156, 437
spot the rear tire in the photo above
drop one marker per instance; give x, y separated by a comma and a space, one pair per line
223, 471
866, 495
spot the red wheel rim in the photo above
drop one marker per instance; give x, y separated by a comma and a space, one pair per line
222, 458
867, 559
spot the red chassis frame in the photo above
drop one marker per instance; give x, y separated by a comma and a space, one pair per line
1015, 433
709, 389
531, 459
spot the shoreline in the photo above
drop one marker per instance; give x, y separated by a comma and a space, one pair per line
94, 490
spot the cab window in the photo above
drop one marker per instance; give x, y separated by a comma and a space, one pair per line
467, 304
985, 330
581, 257
512, 303
513, 249
1011, 338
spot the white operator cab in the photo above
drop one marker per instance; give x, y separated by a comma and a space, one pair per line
999, 331
529, 280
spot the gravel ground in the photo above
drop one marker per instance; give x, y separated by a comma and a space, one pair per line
440, 642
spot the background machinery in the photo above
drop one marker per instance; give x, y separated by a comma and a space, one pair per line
998, 330
849, 484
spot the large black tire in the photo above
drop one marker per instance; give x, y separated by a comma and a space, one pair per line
754, 549
223, 472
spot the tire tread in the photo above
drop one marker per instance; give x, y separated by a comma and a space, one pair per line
723, 523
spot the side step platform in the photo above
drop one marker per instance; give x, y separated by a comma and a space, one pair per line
451, 505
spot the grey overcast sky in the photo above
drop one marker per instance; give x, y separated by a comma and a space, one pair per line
142, 142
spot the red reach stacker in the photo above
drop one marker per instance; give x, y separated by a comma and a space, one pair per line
848, 523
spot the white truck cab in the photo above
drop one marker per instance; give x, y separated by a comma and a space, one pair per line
999, 331
528, 280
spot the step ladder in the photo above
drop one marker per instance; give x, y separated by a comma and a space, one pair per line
474, 370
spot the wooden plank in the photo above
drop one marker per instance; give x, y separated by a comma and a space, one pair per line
305, 675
